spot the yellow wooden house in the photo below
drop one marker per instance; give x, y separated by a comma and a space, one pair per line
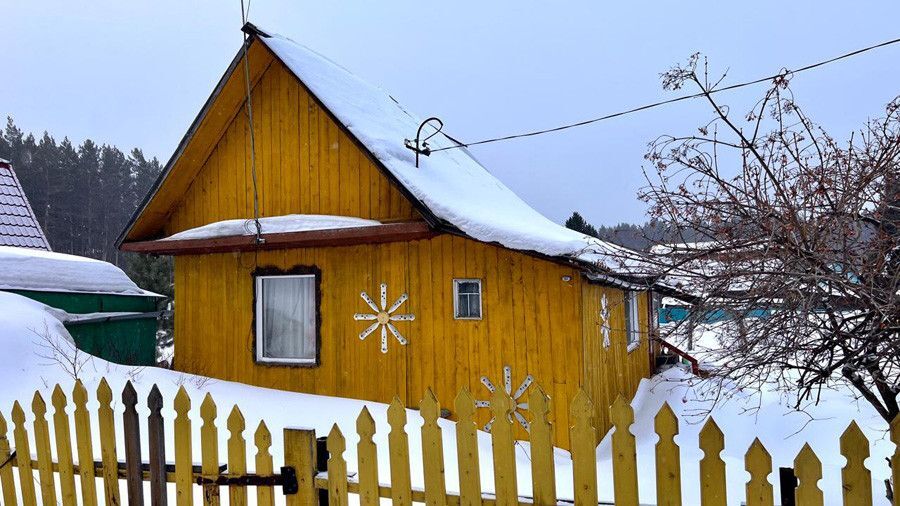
373, 277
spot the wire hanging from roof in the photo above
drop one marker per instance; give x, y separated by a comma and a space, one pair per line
245, 14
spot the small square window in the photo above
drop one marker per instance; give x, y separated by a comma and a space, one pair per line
286, 309
467, 299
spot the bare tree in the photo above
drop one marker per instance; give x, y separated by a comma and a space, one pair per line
803, 244
57, 350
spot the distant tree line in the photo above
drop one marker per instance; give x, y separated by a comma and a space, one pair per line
638, 237
83, 196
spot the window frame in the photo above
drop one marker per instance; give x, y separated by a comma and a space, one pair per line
297, 272
456, 282
632, 309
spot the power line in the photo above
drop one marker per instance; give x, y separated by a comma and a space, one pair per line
665, 102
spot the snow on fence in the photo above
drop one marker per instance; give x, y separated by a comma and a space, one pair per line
302, 476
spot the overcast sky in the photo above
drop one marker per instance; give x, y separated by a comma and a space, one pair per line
135, 74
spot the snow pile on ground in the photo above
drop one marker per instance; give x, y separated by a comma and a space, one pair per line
272, 225
31, 269
743, 416
451, 183
38, 354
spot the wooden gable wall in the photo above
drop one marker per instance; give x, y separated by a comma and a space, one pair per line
305, 162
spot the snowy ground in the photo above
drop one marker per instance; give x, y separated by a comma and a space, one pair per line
27, 330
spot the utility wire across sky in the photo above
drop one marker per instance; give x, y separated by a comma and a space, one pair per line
785, 72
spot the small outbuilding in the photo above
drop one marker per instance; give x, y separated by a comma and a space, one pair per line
107, 314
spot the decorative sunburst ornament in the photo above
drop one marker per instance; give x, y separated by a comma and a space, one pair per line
383, 318
520, 407
604, 320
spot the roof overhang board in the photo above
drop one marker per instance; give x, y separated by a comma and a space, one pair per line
616, 281
388, 232
197, 144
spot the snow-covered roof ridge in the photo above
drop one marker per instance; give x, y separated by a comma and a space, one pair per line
46, 271
451, 184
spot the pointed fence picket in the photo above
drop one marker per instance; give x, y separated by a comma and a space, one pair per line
42, 445
502, 443
263, 440
398, 448
209, 450
432, 451
183, 452
624, 451
855, 477
63, 447
367, 459
467, 450
7, 480
23, 457
337, 468
85, 445
758, 463
237, 456
808, 469
156, 439
584, 450
712, 467
668, 458
300, 480
132, 428
108, 445
543, 469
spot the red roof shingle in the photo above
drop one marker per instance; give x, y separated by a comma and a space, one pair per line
18, 225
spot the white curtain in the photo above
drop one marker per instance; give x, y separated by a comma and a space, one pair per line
632, 315
289, 317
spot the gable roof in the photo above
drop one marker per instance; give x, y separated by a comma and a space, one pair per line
18, 224
452, 189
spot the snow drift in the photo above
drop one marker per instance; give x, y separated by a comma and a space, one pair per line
31, 269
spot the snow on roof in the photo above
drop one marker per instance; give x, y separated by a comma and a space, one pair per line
272, 225
46, 271
18, 225
454, 186
683, 247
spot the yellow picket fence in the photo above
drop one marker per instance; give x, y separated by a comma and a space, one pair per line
300, 479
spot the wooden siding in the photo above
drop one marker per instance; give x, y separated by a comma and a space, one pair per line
305, 164
612, 371
531, 322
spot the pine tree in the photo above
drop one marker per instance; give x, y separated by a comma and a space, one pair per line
578, 223
67, 206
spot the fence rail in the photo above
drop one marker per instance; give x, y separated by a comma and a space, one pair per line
301, 478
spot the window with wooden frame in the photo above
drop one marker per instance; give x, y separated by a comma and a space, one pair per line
467, 299
287, 308
632, 320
